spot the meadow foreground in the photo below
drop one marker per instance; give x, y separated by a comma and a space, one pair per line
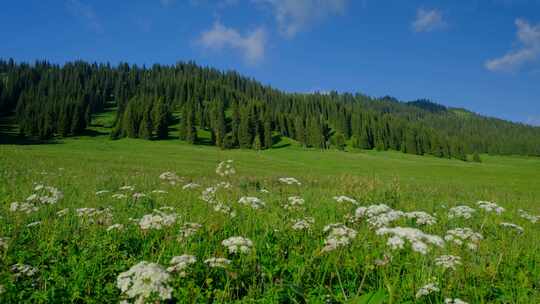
98, 221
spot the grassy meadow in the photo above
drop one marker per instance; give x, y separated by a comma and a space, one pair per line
65, 254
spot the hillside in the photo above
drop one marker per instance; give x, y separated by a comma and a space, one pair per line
51, 101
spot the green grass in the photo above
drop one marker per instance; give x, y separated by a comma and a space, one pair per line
79, 261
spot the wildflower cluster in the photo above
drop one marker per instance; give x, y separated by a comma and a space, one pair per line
339, 235
170, 177
187, 230
448, 261
101, 192
238, 244
427, 290
454, 301
381, 215
115, 227
289, 181
490, 207
418, 239
303, 224
144, 281
190, 186
23, 270
460, 236
294, 203
226, 168
345, 199
157, 220
45, 195
463, 211
179, 264
512, 226
93, 215
251, 201
217, 262
531, 218
23, 207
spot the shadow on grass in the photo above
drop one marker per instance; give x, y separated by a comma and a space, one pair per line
277, 143
13, 139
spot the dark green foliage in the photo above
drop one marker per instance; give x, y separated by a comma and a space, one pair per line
52, 100
339, 141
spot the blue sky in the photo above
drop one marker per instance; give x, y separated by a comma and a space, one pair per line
480, 55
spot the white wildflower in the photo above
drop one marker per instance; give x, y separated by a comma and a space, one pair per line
180, 264
339, 235
138, 195
102, 216
226, 168
448, 261
395, 242
223, 185
20, 270
209, 195
418, 239
45, 195
262, 190
190, 186
460, 236
62, 212
294, 203
37, 223
290, 181
115, 227
100, 192
454, 301
23, 207
238, 244
157, 220
345, 199
127, 188
159, 191
170, 177
251, 201
421, 217
513, 226
217, 262
378, 215
143, 281
465, 212
427, 290
119, 196
303, 224
222, 208
531, 218
490, 207
188, 229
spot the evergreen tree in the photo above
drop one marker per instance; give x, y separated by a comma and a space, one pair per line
267, 132
160, 118
245, 131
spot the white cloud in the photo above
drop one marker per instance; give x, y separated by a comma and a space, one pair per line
294, 16
428, 20
529, 37
86, 13
251, 45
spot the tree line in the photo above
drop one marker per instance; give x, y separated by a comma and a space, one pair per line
59, 100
